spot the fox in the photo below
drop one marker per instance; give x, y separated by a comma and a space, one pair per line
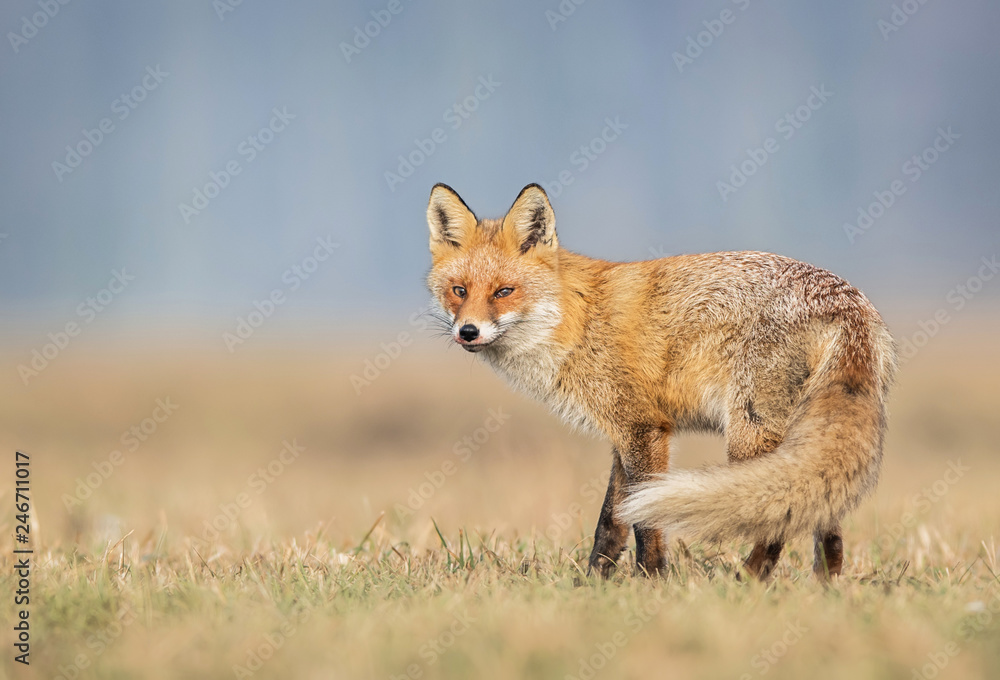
787, 361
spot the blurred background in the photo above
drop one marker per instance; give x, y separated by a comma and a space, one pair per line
693, 86
223, 203
212, 253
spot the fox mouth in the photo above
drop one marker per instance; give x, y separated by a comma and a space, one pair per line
478, 347
474, 346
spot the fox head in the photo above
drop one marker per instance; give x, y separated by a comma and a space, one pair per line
495, 280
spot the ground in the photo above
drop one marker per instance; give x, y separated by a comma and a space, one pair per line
273, 517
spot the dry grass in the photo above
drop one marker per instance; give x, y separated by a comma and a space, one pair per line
484, 578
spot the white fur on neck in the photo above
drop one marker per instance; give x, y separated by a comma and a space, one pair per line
530, 360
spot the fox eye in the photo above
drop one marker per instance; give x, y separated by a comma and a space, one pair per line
459, 291
503, 292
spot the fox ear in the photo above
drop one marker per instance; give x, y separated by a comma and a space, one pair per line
532, 220
450, 220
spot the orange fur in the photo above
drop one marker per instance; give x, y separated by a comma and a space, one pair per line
788, 361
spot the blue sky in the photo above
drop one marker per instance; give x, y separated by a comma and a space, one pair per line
185, 90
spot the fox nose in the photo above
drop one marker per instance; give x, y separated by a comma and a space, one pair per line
468, 332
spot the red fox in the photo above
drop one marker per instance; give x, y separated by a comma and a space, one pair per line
790, 362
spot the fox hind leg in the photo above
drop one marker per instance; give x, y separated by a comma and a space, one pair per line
762, 559
749, 437
650, 551
829, 553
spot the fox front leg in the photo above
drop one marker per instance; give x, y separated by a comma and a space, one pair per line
648, 455
611, 535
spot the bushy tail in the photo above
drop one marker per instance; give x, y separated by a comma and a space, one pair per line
827, 463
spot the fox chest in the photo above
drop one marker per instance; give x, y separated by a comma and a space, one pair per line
539, 377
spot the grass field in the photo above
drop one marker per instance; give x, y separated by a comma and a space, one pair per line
282, 521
